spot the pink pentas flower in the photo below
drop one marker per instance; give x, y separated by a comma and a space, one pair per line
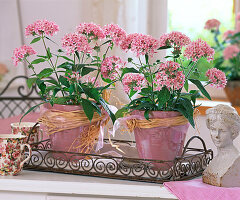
111, 66
116, 33
169, 75
42, 27
217, 78
212, 24
140, 44
75, 76
228, 33
198, 49
75, 42
22, 52
230, 52
175, 39
133, 81
91, 30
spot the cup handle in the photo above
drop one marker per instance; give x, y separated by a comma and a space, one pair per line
29, 155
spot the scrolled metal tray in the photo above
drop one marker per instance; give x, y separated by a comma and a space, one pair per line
109, 163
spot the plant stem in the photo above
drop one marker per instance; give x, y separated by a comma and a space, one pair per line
52, 64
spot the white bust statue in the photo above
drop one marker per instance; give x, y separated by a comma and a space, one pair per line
224, 125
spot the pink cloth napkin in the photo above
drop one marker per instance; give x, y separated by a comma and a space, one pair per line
197, 190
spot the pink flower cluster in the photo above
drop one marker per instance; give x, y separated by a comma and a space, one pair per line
169, 76
197, 49
115, 32
111, 66
212, 24
74, 76
228, 33
22, 52
175, 39
133, 81
90, 81
42, 27
140, 44
75, 42
91, 30
230, 52
217, 78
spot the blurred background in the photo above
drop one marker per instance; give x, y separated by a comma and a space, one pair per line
153, 17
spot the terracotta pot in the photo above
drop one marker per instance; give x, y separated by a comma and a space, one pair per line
232, 91
68, 140
160, 143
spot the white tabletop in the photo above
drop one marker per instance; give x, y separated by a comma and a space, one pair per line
45, 182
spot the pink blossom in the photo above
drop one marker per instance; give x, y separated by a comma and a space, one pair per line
115, 32
228, 33
91, 30
42, 27
111, 66
75, 42
197, 49
169, 75
90, 81
217, 78
238, 16
237, 26
140, 44
212, 24
22, 52
175, 39
230, 52
133, 81
75, 76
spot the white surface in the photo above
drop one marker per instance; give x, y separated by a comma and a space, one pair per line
65, 184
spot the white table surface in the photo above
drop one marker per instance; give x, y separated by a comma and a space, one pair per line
55, 183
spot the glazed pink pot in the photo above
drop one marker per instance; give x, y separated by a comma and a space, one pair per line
160, 143
67, 140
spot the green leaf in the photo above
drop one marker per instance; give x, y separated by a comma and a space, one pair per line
164, 47
146, 58
64, 81
146, 114
105, 106
41, 85
56, 90
200, 87
129, 70
35, 40
32, 108
185, 107
45, 73
132, 92
52, 81
71, 89
39, 60
66, 58
77, 54
31, 81
163, 97
130, 60
121, 112
186, 85
66, 65
92, 93
87, 70
88, 108
61, 100
49, 55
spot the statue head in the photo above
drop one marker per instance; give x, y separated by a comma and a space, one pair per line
224, 124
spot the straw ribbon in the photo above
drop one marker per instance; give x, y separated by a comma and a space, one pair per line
152, 123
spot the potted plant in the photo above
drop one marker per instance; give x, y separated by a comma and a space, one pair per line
160, 110
229, 59
74, 110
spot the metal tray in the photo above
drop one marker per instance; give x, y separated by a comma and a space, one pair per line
110, 163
